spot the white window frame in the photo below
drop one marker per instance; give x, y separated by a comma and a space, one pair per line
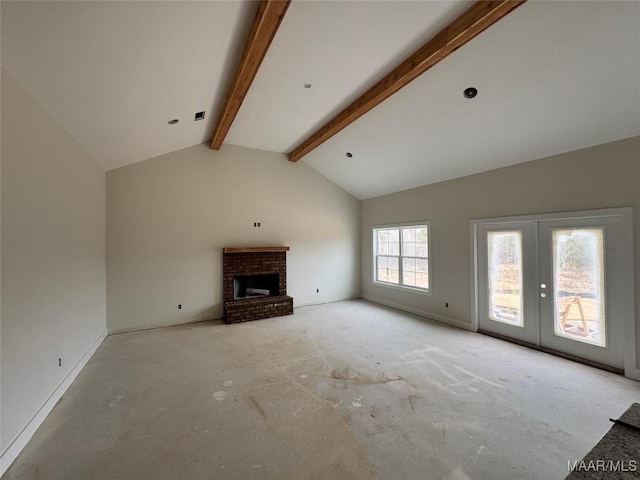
400, 286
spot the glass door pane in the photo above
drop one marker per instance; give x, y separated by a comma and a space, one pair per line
507, 300
578, 284
505, 277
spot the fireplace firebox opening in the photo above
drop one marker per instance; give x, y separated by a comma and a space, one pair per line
252, 286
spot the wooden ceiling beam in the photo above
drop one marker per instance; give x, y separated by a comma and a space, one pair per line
475, 20
265, 25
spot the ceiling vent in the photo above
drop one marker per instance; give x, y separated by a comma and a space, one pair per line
199, 116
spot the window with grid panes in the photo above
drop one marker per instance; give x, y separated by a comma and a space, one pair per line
401, 256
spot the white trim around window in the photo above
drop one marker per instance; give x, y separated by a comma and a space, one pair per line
402, 256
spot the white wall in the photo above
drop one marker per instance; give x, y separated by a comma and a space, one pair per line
169, 217
599, 177
53, 264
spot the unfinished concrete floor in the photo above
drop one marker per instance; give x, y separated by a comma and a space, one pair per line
347, 390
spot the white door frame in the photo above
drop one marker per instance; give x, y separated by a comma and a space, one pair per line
631, 369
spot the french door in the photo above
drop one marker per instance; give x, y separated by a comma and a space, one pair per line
554, 283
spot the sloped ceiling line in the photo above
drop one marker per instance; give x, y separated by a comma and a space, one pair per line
268, 18
474, 21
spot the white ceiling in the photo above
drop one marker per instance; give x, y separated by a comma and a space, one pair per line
113, 73
552, 77
341, 49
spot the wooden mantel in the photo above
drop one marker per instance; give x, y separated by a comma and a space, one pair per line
254, 249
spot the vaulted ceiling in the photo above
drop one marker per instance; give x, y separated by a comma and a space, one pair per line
552, 76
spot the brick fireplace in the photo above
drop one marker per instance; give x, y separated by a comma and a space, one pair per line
255, 283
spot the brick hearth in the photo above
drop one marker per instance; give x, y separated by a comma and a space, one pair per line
255, 261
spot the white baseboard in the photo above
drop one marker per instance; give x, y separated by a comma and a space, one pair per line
117, 331
21, 440
326, 302
421, 313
